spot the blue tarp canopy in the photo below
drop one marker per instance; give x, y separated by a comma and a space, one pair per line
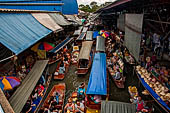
68, 7
154, 95
98, 76
19, 31
95, 34
61, 45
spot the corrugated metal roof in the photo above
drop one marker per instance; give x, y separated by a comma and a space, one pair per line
19, 31
21, 95
61, 45
81, 36
43, 5
73, 18
47, 21
85, 29
59, 19
89, 35
64, 6
85, 50
100, 44
117, 107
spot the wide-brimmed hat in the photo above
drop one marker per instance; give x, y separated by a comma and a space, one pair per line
157, 83
162, 93
133, 89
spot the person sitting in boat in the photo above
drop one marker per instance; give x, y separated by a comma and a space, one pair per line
69, 108
96, 98
140, 105
57, 97
65, 59
81, 91
40, 89
117, 76
79, 107
61, 68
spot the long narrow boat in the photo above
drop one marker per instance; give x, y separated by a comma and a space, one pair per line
119, 83
85, 58
155, 96
59, 76
60, 89
44, 93
98, 84
54, 60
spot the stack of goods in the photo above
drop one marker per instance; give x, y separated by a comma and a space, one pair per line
75, 57
160, 89
133, 93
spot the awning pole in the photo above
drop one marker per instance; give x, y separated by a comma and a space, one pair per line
7, 58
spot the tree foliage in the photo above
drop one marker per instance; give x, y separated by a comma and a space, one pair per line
93, 3
92, 7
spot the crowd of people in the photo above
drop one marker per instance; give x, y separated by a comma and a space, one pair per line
75, 104
35, 97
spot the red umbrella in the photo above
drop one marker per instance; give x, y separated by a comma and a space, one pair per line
43, 46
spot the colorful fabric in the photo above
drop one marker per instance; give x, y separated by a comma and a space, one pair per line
9, 82
43, 46
41, 54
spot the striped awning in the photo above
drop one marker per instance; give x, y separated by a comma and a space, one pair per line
47, 21
19, 31
21, 95
59, 19
117, 107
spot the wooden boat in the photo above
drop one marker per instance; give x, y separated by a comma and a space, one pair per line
85, 58
60, 89
58, 76
81, 70
91, 106
47, 85
102, 88
119, 83
74, 97
53, 60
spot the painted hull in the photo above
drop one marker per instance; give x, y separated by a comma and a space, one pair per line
61, 89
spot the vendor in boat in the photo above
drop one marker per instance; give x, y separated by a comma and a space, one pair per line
81, 91
61, 68
69, 108
96, 98
65, 59
117, 76
140, 105
79, 107
40, 89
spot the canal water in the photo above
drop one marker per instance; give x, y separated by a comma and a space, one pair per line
72, 81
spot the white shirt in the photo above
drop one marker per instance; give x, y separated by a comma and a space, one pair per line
81, 106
